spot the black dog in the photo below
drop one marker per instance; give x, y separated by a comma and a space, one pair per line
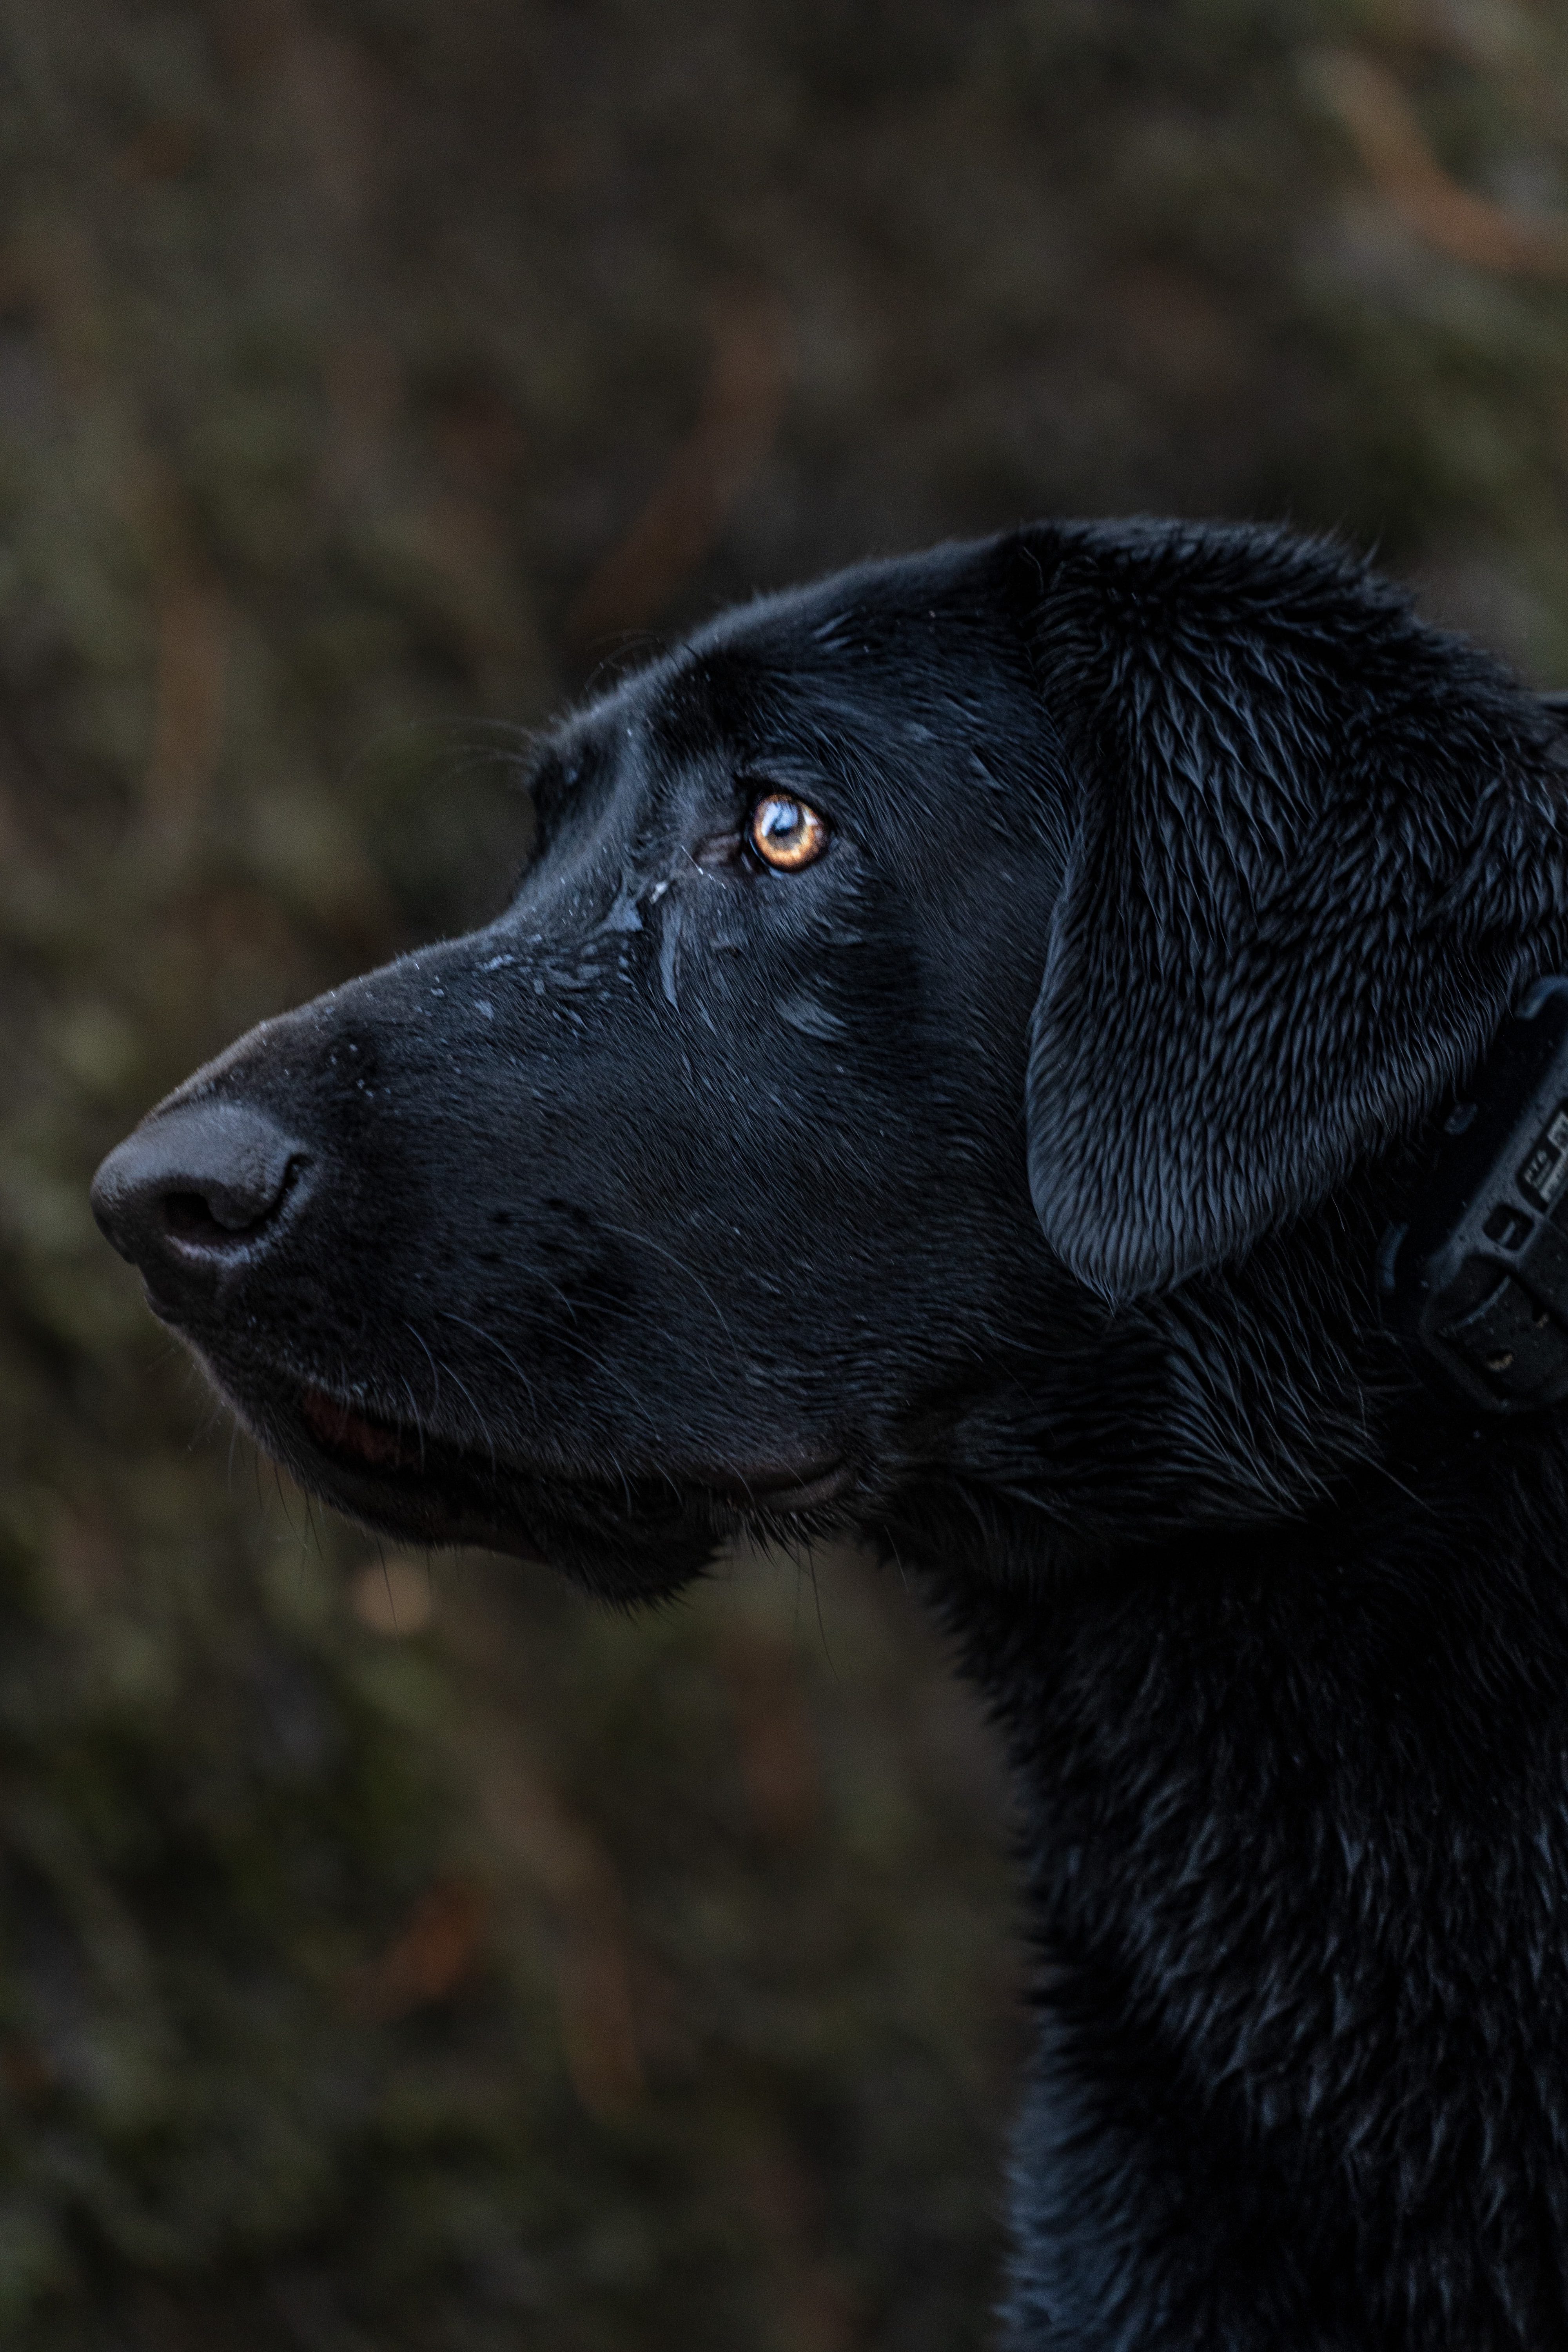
946, 1073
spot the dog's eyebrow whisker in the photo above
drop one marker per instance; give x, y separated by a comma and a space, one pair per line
512, 745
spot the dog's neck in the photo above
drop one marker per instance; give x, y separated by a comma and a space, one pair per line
1294, 1795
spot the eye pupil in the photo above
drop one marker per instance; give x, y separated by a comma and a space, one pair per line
787, 834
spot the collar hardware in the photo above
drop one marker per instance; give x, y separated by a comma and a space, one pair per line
1476, 1280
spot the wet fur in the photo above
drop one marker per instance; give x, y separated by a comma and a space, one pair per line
1027, 1160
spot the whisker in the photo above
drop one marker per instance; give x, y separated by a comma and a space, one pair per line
489, 1337
435, 1369
418, 1425
645, 1241
386, 1580
603, 1369
283, 1499
821, 1622
479, 1416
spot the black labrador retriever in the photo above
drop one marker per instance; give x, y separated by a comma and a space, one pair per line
945, 1073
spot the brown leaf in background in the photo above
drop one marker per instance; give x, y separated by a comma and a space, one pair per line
436, 1950
742, 404
1382, 124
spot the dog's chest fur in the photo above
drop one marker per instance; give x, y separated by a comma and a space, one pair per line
1297, 1852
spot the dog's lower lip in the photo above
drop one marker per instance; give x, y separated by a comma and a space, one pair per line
387, 1445
341, 1429
794, 1490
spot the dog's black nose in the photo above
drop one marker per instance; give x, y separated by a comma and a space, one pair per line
195, 1187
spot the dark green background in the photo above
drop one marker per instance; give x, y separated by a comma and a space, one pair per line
510, 1975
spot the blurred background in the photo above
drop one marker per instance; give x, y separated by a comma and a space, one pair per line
399, 1955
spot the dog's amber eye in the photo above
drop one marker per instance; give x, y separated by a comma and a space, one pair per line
786, 834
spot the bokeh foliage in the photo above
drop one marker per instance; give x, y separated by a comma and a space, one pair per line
400, 1954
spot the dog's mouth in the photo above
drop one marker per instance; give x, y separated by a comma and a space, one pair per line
364, 1442
359, 1437
779, 1488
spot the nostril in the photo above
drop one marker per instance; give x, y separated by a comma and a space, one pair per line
226, 1214
190, 1217
204, 1180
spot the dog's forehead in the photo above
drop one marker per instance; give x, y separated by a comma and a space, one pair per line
866, 641
906, 650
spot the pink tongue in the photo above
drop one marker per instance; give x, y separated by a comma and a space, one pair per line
343, 1430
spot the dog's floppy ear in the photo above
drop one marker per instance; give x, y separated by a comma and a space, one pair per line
1317, 851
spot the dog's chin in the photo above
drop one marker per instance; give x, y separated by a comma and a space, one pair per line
624, 1539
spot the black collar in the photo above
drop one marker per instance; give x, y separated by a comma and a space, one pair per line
1477, 1276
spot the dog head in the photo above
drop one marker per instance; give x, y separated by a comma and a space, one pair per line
926, 992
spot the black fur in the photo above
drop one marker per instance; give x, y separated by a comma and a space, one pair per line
1006, 1187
